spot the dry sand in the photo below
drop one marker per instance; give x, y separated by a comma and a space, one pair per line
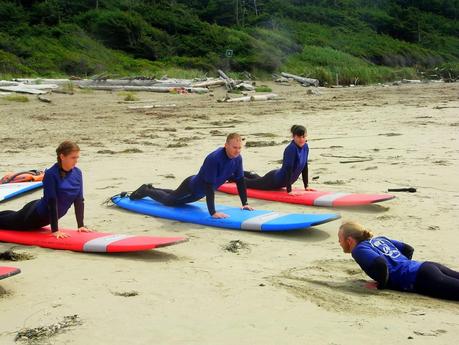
294, 288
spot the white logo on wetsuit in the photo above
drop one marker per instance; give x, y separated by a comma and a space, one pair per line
383, 246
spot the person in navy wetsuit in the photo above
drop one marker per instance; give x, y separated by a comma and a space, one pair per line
294, 164
389, 263
62, 187
220, 165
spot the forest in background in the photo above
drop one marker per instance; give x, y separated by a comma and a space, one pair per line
360, 41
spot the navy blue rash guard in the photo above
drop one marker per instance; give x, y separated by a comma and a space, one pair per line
215, 171
294, 163
401, 270
61, 190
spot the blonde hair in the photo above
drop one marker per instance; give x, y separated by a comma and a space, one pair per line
232, 136
356, 231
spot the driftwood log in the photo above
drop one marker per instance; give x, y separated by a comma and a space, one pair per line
254, 98
301, 80
163, 89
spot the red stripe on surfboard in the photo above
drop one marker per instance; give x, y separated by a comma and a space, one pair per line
6, 271
307, 197
44, 238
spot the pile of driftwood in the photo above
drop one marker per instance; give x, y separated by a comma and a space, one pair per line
21, 87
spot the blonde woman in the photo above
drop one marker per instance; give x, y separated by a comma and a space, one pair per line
389, 263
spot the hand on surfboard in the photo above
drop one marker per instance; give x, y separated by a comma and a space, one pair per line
219, 215
84, 229
60, 234
247, 207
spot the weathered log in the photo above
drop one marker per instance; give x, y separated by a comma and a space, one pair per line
209, 83
22, 89
43, 99
301, 80
229, 82
135, 82
163, 89
151, 106
253, 98
245, 87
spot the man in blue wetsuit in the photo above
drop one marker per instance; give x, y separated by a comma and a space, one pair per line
222, 164
389, 263
294, 164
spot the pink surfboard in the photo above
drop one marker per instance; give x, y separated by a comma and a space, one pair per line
310, 198
6, 272
97, 242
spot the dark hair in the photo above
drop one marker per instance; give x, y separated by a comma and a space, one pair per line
298, 130
66, 148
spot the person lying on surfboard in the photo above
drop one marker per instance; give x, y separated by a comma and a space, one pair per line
389, 263
220, 165
62, 187
295, 162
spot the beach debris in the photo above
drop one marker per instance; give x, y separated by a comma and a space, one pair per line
43, 99
32, 335
281, 80
408, 189
151, 106
10, 255
162, 89
126, 293
235, 246
260, 143
252, 98
313, 92
230, 83
303, 81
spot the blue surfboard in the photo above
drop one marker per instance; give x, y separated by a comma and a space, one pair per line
11, 190
196, 212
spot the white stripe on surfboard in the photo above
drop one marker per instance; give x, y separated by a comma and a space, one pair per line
100, 244
327, 199
10, 188
255, 223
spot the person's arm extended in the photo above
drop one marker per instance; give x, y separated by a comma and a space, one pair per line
210, 198
242, 190
79, 212
53, 219
305, 176
379, 271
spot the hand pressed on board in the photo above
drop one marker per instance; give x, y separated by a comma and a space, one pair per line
294, 193
84, 229
247, 207
60, 234
219, 215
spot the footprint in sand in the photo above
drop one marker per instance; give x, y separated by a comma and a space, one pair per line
339, 286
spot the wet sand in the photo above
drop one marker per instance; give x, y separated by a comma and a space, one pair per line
291, 288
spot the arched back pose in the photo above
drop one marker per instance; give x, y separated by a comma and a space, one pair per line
294, 164
389, 263
62, 187
220, 165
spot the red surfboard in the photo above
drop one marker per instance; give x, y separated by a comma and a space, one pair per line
310, 198
97, 242
6, 272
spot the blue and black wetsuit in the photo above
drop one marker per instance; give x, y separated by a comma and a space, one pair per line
61, 189
216, 170
295, 162
389, 263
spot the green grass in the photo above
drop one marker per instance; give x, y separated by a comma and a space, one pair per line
16, 98
263, 88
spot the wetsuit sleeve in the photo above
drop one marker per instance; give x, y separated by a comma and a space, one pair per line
79, 211
210, 198
304, 173
242, 190
372, 263
287, 164
379, 271
209, 168
50, 194
404, 248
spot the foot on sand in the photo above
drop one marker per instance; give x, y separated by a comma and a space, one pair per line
139, 193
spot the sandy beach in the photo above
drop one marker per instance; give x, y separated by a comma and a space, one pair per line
290, 288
